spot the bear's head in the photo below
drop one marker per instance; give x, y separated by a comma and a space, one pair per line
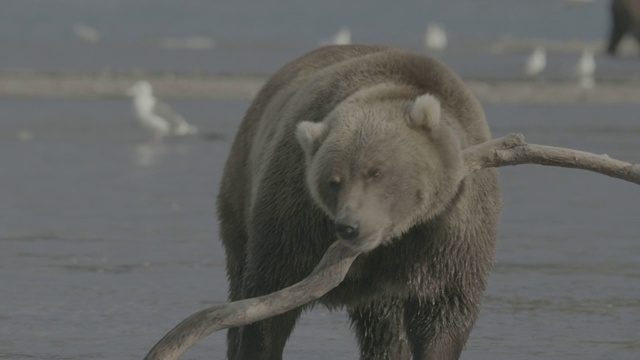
381, 162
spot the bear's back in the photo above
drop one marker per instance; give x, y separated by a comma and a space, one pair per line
313, 85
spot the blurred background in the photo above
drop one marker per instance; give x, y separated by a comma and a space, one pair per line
256, 37
116, 117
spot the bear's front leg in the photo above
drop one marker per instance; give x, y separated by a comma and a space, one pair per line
439, 328
380, 330
264, 340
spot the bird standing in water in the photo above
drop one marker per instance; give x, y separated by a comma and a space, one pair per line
342, 37
157, 116
435, 38
585, 69
536, 62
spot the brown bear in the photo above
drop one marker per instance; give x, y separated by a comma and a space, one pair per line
362, 144
625, 18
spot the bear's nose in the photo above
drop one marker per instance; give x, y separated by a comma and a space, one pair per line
347, 229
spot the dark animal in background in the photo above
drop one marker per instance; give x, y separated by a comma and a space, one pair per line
363, 143
625, 19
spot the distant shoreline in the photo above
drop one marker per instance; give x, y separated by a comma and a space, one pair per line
30, 84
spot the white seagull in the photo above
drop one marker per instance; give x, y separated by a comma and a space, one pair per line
435, 38
536, 62
156, 115
586, 68
86, 33
342, 37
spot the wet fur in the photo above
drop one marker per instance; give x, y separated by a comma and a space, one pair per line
421, 293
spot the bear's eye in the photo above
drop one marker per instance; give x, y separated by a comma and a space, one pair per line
334, 183
373, 173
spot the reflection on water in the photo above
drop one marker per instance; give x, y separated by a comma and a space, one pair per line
106, 241
147, 154
151, 153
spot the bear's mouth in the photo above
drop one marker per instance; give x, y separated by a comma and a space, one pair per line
365, 244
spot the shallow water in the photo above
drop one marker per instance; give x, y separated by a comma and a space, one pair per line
107, 242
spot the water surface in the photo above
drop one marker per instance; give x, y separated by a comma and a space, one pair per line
106, 242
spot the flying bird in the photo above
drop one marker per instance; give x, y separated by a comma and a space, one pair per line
342, 37
435, 38
536, 62
586, 68
155, 115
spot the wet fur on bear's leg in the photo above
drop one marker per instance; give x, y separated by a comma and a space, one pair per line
235, 234
438, 328
265, 340
380, 330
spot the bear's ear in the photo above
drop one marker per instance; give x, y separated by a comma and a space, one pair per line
424, 112
310, 135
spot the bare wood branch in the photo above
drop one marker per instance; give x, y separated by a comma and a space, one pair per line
505, 151
327, 275
513, 150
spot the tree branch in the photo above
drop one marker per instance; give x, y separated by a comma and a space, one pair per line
513, 150
327, 275
505, 151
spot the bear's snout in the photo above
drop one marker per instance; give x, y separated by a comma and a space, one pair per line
347, 229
